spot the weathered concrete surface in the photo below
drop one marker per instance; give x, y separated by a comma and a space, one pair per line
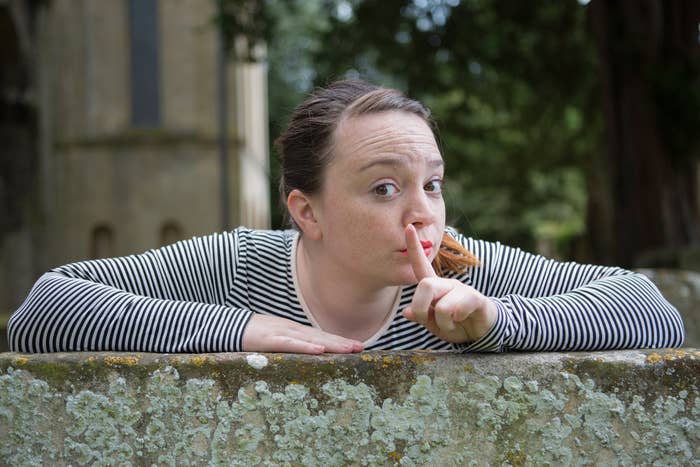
407, 408
682, 289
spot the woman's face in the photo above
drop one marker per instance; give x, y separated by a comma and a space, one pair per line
385, 172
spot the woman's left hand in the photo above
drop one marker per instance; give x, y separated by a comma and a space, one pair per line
453, 311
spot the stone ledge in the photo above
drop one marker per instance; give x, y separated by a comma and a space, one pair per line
386, 408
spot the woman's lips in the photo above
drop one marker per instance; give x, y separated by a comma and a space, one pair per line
427, 248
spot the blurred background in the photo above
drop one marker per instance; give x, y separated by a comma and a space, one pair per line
569, 128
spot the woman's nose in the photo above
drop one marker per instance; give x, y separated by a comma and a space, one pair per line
419, 210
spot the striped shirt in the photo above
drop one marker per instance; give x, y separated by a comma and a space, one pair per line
198, 295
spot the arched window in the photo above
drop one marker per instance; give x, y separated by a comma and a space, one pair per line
102, 242
170, 232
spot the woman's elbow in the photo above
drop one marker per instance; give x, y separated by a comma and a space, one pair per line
22, 327
17, 329
676, 328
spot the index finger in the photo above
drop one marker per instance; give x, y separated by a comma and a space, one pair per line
419, 262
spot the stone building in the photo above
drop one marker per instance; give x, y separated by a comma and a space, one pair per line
123, 104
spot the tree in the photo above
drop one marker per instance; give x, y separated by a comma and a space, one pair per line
20, 211
649, 61
561, 123
513, 87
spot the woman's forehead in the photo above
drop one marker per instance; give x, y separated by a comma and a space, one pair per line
394, 135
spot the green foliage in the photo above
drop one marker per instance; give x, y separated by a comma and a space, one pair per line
244, 19
511, 84
298, 26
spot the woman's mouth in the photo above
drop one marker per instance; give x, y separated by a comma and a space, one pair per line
427, 248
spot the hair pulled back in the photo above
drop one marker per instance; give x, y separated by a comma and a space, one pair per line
305, 148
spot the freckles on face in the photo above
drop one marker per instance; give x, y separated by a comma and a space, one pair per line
386, 171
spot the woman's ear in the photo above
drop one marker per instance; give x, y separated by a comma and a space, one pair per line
302, 211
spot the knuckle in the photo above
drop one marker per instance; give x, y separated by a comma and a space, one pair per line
286, 340
428, 283
444, 308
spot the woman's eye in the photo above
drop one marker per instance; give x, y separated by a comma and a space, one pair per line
433, 186
385, 189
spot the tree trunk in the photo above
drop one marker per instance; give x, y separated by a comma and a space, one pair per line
18, 152
647, 201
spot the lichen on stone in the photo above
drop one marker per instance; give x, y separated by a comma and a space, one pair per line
173, 415
257, 361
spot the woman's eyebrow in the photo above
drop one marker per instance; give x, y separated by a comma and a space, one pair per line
397, 161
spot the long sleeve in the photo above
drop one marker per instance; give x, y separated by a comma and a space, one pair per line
173, 299
564, 306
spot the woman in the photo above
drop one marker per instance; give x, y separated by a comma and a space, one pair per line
370, 265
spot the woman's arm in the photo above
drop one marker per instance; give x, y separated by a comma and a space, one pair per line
543, 304
174, 299
166, 300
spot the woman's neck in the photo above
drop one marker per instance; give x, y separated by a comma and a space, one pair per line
341, 304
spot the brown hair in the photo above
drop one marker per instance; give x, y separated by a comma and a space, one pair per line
305, 146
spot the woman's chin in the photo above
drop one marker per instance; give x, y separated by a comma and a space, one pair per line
404, 278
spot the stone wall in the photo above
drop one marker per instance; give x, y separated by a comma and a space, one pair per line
682, 289
387, 408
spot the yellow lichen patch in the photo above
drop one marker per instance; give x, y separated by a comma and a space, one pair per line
20, 361
366, 357
386, 361
468, 368
668, 355
516, 459
199, 360
277, 358
113, 360
394, 456
421, 359
674, 354
654, 358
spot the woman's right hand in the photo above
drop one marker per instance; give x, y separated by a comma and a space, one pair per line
273, 334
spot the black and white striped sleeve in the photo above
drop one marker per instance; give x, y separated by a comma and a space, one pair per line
167, 300
545, 305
